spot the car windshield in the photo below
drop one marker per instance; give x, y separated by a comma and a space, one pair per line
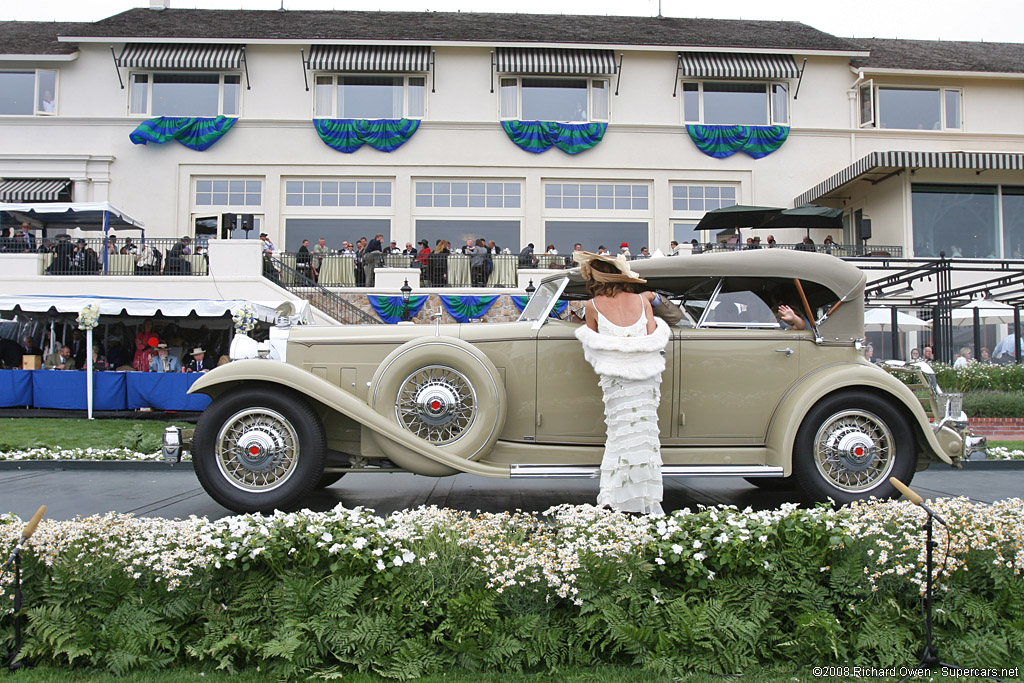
542, 300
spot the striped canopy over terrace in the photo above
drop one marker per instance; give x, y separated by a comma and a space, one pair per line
33, 189
181, 56
878, 162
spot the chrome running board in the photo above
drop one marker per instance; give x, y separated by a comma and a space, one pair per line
567, 471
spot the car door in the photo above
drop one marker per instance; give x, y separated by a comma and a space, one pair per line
735, 367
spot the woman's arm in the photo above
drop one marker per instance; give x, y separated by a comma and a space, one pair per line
649, 314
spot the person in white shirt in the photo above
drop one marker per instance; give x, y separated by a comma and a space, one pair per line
964, 359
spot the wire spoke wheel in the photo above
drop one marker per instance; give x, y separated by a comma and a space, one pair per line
854, 450
437, 403
257, 450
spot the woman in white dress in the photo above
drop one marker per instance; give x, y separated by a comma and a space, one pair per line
624, 342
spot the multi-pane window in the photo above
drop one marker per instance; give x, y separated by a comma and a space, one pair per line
28, 92
911, 108
530, 98
728, 102
225, 192
969, 221
359, 193
185, 94
468, 194
370, 97
702, 198
596, 196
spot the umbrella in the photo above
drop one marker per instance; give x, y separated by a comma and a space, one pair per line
880, 320
989, 312
740, 216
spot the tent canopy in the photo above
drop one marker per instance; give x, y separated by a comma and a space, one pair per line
144, 308
68, 215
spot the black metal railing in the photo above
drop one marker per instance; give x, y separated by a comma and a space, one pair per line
440, 270
121, 256
840, 250
296, 282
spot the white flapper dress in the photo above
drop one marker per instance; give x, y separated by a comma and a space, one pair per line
629, 363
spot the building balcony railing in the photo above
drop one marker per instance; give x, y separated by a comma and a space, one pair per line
95, 256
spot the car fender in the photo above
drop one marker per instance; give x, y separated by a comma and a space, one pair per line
239, 372
829, 378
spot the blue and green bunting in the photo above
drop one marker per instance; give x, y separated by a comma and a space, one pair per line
521, 301
192, 131
540, 136
724, 141
462, 308
348, 135
389, 308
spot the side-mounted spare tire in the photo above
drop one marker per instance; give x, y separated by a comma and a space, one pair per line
848, 446
259, 448
444, 391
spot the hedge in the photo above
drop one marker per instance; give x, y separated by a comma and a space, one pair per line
715, 590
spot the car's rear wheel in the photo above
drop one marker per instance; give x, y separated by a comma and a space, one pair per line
443, 391
849, 445
259, 449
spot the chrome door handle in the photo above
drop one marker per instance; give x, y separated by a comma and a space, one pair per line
788, 351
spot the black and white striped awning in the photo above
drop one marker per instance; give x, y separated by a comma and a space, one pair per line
34, 190
735, 65
174, 56
529, 60
885, 162
363, 58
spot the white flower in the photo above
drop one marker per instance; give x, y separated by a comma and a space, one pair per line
408, 556
699, 556
358, 543
398, 561
380, 565
697, 544
677, 549
327, 537
659, 560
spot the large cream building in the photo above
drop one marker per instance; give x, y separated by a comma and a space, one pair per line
924, 139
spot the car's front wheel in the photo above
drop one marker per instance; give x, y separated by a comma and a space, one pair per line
849, 445
259, 449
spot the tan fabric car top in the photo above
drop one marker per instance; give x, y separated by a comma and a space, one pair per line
843, 279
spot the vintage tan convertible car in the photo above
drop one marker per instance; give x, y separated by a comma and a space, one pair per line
740, 396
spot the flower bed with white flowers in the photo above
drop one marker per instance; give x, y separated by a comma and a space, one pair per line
717, 589
119, 454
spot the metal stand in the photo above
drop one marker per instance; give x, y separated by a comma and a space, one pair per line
930, 655
11, 660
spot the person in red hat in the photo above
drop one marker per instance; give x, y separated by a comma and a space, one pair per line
624, 249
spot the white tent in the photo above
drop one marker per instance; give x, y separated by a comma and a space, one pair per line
144, 308
69, 215
880, 319
990, 312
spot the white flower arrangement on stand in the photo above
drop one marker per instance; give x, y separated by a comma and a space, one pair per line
88, 319
244, 319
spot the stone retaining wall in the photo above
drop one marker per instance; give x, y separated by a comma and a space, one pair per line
999, 428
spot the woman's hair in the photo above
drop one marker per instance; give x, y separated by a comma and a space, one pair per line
609, 289
480, 242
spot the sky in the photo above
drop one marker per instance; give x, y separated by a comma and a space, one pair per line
988, 20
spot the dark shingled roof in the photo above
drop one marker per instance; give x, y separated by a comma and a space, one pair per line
439, 27
941, 55
36, 37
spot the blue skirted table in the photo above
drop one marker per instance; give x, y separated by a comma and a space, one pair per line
66, 390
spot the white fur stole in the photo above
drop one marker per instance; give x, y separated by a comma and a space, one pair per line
631, 358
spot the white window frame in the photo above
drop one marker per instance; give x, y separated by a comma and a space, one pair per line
876, 105
334, 76
768, 101
688, 215
502, 212
35, 90
585, 212
228, 207
590, 81
338, 211
868, 88
221, 75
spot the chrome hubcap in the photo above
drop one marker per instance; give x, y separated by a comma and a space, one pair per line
853, 450
436, 403
257, 449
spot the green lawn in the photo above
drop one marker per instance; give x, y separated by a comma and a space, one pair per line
21, 433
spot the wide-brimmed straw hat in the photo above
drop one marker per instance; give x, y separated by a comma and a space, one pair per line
625, 274
198, 350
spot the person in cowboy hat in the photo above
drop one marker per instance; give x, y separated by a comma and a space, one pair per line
623, 341
163, 361
198, 362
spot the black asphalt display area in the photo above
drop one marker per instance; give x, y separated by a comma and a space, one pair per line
160, 490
